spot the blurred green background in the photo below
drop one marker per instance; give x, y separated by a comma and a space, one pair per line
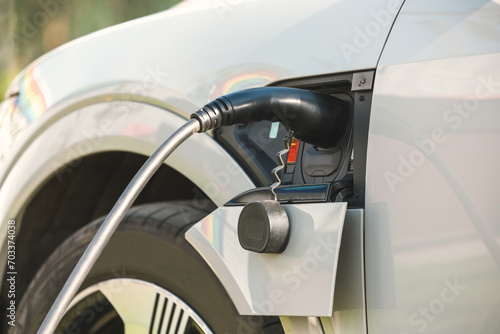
30, 28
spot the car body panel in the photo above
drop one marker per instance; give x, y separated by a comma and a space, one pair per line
300, 281
176, 60
432, 228
191, 52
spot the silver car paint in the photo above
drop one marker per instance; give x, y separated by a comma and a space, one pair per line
298, 282
176, 60
285, 284
432, 220
170, 64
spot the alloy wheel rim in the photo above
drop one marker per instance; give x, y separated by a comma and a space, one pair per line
142, 307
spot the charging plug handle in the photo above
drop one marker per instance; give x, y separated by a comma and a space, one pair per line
315, 118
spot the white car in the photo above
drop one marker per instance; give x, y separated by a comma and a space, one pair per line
394, 226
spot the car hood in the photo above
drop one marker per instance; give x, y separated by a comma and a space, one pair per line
203, 49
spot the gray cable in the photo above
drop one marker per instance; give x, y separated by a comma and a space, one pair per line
110, 224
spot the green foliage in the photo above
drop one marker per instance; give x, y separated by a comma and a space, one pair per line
28, 28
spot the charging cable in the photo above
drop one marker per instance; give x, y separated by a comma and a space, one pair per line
315, 118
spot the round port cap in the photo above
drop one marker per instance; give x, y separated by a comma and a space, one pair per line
263, 227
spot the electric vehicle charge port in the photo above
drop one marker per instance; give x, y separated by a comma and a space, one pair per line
320, 162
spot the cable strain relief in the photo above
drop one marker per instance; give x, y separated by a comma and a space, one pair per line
214, 114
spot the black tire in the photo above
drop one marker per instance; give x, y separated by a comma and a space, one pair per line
149, 246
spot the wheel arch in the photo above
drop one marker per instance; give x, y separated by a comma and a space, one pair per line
68, 155
62, 206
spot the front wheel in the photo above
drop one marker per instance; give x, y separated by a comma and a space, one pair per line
147, 280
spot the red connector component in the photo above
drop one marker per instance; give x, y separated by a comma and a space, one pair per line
294, 150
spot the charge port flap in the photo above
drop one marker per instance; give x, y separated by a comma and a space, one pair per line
298, 282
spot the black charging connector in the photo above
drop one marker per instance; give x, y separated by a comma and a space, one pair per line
314, 118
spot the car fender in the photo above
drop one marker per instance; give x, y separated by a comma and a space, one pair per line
165, 66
